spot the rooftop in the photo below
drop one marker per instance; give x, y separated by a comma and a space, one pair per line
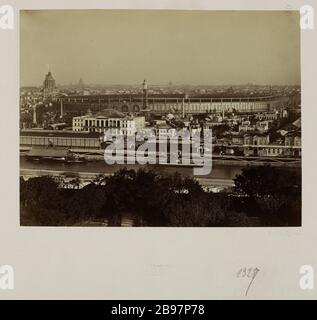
110, 113
59, 133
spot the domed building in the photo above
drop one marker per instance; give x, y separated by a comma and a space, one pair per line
49, 85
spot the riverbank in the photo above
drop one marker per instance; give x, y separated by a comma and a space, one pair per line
87, 177
96, 155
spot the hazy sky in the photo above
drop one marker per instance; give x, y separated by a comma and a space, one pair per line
184, 47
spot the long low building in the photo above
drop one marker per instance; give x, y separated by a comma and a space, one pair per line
177, 104
58, 138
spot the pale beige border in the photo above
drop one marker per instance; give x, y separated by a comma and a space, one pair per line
149, 263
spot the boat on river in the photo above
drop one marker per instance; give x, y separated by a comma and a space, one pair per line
54, 154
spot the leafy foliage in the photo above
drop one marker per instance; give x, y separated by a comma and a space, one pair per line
272, 194
270, 191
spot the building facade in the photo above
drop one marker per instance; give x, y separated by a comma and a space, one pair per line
109, 119
257, 139
158, 104
56, 138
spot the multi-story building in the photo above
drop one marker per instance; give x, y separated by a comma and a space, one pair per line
262, 126
259, 145
293, 139
256, 139
246, 126
109, 119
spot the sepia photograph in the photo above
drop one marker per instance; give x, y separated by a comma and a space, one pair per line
160, 118
153, 157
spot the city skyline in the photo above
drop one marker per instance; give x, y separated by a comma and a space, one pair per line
261, 48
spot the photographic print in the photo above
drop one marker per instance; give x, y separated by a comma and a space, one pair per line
165, 118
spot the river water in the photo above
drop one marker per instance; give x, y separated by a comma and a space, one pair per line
219, 171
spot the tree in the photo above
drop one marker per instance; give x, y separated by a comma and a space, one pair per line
269, 189
100, 179
40, 191
153, 199
75, 183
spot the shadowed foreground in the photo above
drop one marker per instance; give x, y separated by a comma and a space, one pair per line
262, 196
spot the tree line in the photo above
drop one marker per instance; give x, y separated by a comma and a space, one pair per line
262, 196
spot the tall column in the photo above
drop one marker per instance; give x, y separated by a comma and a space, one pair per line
183, 108
62, 109
34, 115
145, 95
